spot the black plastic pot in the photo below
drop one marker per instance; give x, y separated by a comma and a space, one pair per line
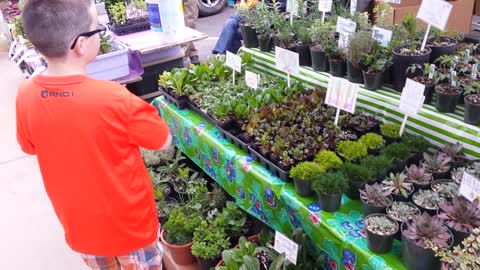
369, 209
354, 74
446, 103
330, 202
401, 198
388, 76
428, 93
338, 68
441, 175
402, 62
439, 51
304, 55
472, 113
249, 36
398, 235
415, 257
380, 244
303, 188
265, 44
319, 61
373, 81
353, 191
207, 264
458, 236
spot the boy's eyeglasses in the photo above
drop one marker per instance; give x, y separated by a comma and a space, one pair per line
101, 29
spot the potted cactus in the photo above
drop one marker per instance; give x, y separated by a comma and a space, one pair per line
400, 189
428, 201
401, 212
329, 188
357, 176
461, 216
303, 174
446, 188
381, 230
416, 233
437, 164
455, 152
375, 199
418, 176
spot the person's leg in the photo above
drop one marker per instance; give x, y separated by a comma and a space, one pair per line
101, 262
147, 258
190, 10
228, 35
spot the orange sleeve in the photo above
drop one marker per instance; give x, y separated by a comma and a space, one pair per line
22, 138
145, 127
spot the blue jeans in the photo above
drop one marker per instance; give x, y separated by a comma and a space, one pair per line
231, 38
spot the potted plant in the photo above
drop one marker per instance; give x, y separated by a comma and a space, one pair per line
357, 176
336, 59
209, 241
360, 44
375, 199
303, 174
472, 104
461, 217
363, 123
248, 23
415, 234
418, 176
437, 164
284, 37
428, 201
405, 56
373, 142
401, 212
381, 230
397, 185
322, 35
455, 152
391, 132
440, 45
379, 166
351, 150
125, 20
426, 76
329, 188
399, 154
304, 40
448, 94
457, 174
464, 256
446, 188
328, 160
175, 86
375, 66
418, 144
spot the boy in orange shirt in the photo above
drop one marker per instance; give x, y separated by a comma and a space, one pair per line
86, 134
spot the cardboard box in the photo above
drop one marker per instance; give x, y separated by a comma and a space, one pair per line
477, 7
460, 18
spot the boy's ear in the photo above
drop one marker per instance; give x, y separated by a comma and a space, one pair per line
81, 46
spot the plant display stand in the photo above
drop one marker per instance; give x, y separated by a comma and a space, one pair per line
340, 236
171, 265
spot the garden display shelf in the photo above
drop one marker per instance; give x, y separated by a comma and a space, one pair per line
340, 236
437, 127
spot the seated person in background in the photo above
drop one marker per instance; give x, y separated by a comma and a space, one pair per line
231, 38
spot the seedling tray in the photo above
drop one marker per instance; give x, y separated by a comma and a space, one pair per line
181, 102
283, 175
203, 114
125, 29
233, 139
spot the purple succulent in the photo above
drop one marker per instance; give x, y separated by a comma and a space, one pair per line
460, 214
423, 228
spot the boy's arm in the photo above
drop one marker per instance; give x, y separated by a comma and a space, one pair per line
22, 138
145, 127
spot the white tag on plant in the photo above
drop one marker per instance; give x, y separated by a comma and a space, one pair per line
292, 7
284, 245
382, 35
474, 71
287, 61
346, 25
12, 48
252, 79
325, 5
432, 72
342, 94
343, 40
234, 62
435, 13
353, 7
412, 97
467, 55
470, 187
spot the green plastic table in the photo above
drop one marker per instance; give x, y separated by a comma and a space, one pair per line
340, 236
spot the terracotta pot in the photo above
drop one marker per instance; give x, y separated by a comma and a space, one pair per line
181, 255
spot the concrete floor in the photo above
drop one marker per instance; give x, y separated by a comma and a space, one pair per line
30, 235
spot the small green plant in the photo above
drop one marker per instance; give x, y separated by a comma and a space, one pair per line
322, 34
360, 45
180, 226
306, 171
328, 160
330, 183
378, 165
390, 130
118, 12
397, 151
231, 218
352, 150
356, 173
209, 241
396, 184
409, 23
373, 141
418, 143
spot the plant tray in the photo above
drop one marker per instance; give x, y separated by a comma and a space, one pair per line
233, 139
121, 30
203, 114
181, 103
283, 175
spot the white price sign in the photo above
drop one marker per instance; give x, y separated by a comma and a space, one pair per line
325, 5
292, 7
287, 61
343, 40
412, 97
234, 62
346, 25
382, 35
470, 187
252, 79
342, 94
284, 245
435, 13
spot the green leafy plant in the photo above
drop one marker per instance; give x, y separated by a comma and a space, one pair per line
396, 184
231, 218
330, 183
118, 12
409, 23
378, 59
418, 143
328, 160
322, 35
377, 165
390, 130
373, 141
306, 171
352, 150
209, 241
180, 226
423, 228
460, 214
356, 173
398, 151
376, 195
360, 45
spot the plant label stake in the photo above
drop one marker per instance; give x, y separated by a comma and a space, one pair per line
467, 56
353, 7
235, 63
252, 79
435, 13
432, 72
288, 62
470, 187
342, 95
346, 25
292, 8
283, 244
474, 71
454, 82
411, 101
324, 6
382, 35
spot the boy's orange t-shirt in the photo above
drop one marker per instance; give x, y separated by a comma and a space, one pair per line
86, 134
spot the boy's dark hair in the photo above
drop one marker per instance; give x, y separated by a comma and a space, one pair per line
52, 25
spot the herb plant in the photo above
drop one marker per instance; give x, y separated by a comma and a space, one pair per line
328, 160
356, 173
373, 141
352, 150
390, 130
306, 171
330, 183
